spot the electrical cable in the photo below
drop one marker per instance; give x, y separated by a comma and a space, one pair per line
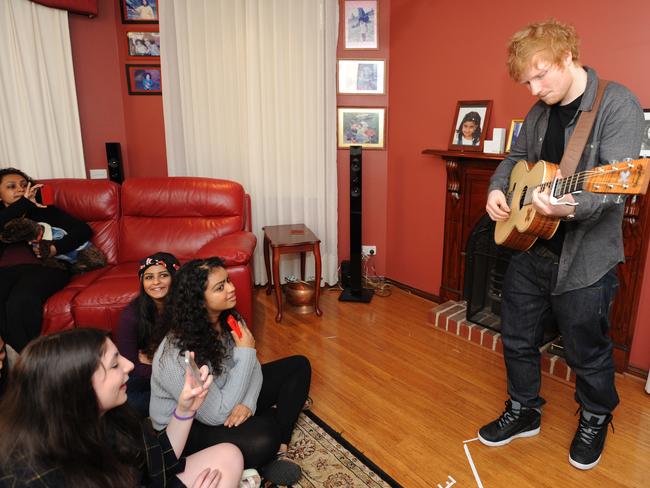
377, 283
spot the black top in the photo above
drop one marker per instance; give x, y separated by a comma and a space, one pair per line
160, 469
552, 151
78, 232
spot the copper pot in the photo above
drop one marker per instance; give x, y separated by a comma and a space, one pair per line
300, 295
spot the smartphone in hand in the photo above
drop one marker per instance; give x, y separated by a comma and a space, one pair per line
233, 324
194, 369
45, 195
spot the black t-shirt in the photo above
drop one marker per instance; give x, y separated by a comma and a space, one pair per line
552, 151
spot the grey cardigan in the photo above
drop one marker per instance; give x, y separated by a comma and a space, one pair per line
240, 382
593, 242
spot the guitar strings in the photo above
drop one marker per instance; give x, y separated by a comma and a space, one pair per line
568, 181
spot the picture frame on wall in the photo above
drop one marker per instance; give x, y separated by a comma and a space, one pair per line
471, 120
144, 79
361, 76
361, 126
645, 141
146, 44
139, 11
513, 133
361, 19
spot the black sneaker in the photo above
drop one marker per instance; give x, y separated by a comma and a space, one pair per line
282, 472
589, 441
511, 424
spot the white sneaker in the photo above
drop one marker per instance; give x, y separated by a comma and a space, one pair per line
250, 478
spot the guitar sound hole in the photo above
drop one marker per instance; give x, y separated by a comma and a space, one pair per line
523, 197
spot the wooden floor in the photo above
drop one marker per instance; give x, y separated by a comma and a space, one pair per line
407, 395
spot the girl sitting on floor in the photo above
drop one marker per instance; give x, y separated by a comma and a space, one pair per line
140, 328
64, 423
254, 407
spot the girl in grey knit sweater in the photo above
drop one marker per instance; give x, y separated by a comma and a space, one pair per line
250, 405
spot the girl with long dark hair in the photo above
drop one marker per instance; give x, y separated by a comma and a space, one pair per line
64, 423
251, 405
25, 283
141, 325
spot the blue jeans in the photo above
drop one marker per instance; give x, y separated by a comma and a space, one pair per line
583, 319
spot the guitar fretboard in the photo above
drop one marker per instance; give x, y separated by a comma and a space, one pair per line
576, 183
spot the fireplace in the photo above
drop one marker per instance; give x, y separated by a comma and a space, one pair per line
467, 184
485, 268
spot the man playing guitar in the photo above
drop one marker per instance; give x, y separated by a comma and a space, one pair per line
571, 277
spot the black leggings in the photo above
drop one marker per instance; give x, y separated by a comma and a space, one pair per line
23, 291
284, 390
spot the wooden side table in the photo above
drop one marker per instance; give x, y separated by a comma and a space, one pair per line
288, 239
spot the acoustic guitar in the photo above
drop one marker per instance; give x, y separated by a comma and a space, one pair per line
525, 225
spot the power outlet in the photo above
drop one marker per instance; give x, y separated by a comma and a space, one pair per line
369, 250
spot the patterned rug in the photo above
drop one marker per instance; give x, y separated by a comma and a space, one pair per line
329, 461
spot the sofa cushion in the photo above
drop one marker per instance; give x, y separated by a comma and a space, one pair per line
96, 202
178, 215
100, 303
236, 248
57, 312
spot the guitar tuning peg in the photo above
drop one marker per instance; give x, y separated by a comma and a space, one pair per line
629, 162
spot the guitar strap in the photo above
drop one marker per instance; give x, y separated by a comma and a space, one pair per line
578, 139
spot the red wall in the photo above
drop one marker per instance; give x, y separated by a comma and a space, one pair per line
441, 53
436, 54
107, 112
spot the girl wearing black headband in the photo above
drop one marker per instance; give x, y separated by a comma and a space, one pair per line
141, 328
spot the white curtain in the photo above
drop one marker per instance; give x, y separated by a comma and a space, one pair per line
39, 119
249, 94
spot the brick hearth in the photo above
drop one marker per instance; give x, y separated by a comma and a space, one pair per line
450, 317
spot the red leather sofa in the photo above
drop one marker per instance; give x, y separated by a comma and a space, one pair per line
189, 217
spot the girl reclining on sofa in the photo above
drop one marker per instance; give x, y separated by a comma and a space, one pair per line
25, 283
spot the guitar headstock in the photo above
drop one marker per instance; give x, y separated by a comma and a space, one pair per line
626, 177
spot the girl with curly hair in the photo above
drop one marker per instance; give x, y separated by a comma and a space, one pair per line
64, 423
250, 405
141, 325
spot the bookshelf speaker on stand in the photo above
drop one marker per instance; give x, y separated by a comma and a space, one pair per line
355, 292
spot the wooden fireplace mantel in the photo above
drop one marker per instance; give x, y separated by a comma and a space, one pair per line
468, 175
447, 154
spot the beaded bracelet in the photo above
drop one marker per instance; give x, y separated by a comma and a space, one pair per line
176, 416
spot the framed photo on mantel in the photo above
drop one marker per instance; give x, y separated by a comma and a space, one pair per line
470, 125
645, 141
513, 133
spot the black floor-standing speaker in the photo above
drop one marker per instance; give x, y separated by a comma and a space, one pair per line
355, 292
114, 160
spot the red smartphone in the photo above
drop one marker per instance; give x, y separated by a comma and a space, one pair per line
232, 322
45, 195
